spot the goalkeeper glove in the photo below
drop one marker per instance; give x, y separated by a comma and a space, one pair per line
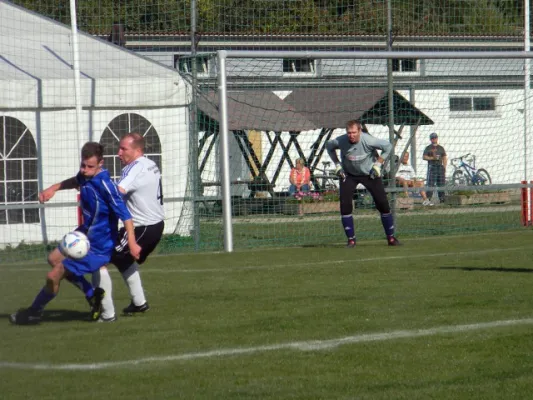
340, 172
375, 171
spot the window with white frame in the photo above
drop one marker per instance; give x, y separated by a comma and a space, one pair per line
18, 172
299, 66
119, 126
470, 105
407, 65
185, 63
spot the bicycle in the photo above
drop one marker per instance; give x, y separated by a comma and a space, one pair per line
465, 172
326, 179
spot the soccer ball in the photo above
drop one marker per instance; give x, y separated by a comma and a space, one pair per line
74, 245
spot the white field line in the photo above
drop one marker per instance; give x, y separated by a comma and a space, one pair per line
312, 345
298, 265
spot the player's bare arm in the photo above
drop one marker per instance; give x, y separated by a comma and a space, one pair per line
49, 192
135, 249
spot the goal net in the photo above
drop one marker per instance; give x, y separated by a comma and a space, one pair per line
283, 107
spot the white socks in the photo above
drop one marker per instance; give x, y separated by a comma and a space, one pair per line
102, 279
133, 281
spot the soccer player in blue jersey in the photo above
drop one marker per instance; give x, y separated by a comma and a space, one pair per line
361, 164
102, 207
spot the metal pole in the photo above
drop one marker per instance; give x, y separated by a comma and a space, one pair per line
412, 130
390, 94
527, 84
193, 141
224, 153
76, 66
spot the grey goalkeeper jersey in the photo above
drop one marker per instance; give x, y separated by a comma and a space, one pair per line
358, 158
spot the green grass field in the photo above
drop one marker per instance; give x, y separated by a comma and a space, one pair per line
438, 318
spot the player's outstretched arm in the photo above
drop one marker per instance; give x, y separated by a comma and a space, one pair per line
49, 192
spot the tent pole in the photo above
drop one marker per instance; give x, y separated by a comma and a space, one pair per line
76, 66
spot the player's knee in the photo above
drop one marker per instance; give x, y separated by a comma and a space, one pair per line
55, 257
346, 210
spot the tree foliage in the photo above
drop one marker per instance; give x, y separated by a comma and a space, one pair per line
271, 17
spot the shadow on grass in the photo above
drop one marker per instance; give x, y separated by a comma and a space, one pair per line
492, 269
60, 316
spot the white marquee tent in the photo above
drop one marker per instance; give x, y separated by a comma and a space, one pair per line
118, 89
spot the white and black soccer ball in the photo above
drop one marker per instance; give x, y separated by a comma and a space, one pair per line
74, 245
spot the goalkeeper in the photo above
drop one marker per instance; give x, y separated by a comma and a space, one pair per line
360, 164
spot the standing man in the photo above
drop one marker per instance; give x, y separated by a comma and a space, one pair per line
140, 182
361, 164
437, 160
102, 207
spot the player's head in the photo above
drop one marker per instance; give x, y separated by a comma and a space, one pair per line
434, 138
131, 147
353, 130
92, 159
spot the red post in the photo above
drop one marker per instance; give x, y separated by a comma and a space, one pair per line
523, 204
79, 212
530, 205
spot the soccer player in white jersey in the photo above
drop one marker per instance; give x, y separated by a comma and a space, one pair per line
140, 183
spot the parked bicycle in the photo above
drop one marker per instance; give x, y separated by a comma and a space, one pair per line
465, 172
326, 179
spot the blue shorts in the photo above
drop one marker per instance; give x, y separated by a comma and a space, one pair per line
86, 265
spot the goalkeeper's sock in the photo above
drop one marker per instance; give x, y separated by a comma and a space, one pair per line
42, 299
83, 284
347, 223
388, 224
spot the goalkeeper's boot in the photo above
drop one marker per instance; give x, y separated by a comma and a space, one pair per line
133, 309
351, 243
26, 316
392, 241
96, 303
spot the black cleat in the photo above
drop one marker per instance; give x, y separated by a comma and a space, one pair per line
96, 303
26, 316
351, 243
133, 309
392, 241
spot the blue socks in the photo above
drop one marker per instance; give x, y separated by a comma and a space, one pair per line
81, 283
42, 299
347, 223
388, 224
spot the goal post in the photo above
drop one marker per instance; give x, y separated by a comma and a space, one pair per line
473, 100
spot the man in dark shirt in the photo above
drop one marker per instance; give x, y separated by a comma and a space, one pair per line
437, 159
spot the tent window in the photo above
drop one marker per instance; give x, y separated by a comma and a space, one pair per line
18, 172
118, 127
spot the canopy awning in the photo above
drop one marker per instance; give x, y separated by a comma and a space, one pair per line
333, 107
260, 110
